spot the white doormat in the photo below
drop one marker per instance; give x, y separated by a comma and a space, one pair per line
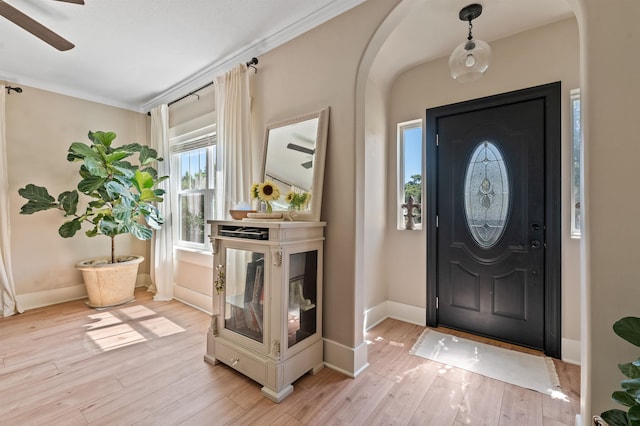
528, 371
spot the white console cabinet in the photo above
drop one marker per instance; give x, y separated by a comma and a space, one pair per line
267, 304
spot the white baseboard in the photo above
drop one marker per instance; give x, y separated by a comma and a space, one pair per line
578, 420
348, 361
38, 299
192, 298
395, 310
570, 351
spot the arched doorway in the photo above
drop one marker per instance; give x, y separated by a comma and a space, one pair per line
375, 103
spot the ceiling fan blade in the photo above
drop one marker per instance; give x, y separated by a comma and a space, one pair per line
34, 27
299, 148
304, 138
73, 1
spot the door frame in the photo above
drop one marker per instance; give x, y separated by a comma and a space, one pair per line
551, 94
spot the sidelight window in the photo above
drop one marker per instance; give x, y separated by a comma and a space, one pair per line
576, 137
410, 174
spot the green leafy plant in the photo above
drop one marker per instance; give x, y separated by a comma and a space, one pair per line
121, 194
297, 200
629, 329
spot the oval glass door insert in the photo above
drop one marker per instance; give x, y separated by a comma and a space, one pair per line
486, 194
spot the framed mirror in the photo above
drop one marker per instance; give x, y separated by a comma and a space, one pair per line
294, 160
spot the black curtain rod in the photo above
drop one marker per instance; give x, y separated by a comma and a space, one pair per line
14, 88
250, 64
195, 92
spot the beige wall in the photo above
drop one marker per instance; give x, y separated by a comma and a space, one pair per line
609, 36
520, 61
316, 70
40, 127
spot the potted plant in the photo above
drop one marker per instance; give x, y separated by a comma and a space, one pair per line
629, 329
121, 198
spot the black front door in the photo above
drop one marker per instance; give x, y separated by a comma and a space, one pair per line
492, 217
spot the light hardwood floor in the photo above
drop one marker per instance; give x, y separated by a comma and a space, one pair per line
142, 364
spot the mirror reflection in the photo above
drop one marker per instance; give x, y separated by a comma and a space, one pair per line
294, 158
289, 157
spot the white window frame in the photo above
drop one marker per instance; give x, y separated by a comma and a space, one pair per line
400, 212
201, 138
576, 164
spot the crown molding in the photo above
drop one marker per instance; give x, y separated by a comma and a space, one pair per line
256, 49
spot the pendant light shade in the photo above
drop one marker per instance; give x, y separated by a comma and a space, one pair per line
470, 59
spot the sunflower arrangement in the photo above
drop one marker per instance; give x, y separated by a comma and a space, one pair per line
266, 192
297, 200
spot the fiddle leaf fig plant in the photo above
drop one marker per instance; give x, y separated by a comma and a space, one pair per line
629, 329
121, 195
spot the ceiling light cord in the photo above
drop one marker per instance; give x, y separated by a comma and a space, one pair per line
470, 59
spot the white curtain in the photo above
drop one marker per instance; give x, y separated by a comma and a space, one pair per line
8, 302
233, 146
162, 244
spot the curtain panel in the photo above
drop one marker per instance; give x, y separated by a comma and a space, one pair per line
162, 256
8, 302
233, 147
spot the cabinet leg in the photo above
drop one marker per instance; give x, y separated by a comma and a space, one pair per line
211, 359
315, 370
277, 396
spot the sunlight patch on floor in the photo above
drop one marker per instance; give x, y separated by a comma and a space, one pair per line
161, 326
374, 341
115, 336
127, 326
556, 394
138, 311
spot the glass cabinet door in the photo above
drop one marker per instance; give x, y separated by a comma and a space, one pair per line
244, 293
303, 296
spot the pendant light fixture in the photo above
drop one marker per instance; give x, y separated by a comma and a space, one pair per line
470, 59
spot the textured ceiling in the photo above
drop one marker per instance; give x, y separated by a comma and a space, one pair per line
129, 53
136, 54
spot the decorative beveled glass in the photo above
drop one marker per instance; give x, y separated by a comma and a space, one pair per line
486, 194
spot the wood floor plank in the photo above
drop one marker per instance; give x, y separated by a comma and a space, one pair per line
550, 422
221, 412
482, 402
263, 413
154, 392
199, 399
142, 363
313, 394
357, 401
23, 374
59, 403
561, 407
403, 399
520, 407
440, 404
